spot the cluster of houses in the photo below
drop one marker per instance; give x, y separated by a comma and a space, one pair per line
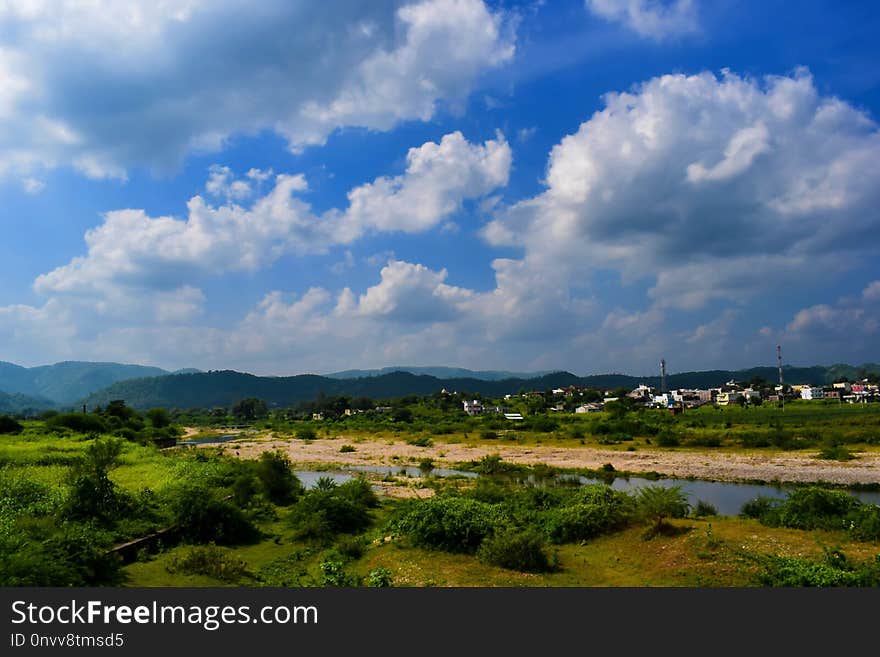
677, 400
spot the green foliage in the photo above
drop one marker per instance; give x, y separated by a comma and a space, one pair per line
592, 511
380, 578
420, 441
333, 573
758, 507
208, 560
43, 553
322, 513
667, 438
159, 417
273, 470
818, 508
203, 518
834, 452
306, 433
703, 509
516, 550
83, 422
488, 435
9, 425
449, 523
836, 569
250, 409
657, 503
347, 449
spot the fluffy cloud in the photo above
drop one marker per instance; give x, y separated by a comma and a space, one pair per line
105, 86
655, 19
438, 178
850, 327
130, 249
714, 187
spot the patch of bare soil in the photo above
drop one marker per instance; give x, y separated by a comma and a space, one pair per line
711, 465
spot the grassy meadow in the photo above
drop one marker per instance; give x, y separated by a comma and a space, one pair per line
68, 496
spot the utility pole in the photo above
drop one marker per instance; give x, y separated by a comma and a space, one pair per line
781, 385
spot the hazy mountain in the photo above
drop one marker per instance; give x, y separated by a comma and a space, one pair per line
440, 372
66, 383
17, 403
224, 388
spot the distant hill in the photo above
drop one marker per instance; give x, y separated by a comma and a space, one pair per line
16, 403
224, 388
68, 382
440, 372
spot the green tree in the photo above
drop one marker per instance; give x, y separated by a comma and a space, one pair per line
657, 503
282, 486
159, 417
250, 409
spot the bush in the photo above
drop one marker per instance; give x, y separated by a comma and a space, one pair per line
322, 513
516, 550
816, 508
208, 560
834, 570
420, 441
759, 507
488, 435
667, 438
452, 524
306, 433
657, 503
704, 509
333, 573
277, 478
835, 453
204, 519
82, 422
9, 425
347, 449
380, 578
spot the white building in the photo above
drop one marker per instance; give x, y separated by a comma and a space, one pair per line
811, 392
472, 407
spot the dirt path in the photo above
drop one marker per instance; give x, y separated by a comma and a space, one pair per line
711, 465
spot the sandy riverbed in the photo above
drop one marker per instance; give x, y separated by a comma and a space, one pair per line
718, 466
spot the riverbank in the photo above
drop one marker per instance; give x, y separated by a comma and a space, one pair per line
715, 465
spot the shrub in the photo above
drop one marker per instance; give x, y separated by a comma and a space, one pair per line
759, 507
453, 524
322, 513
208, 560
587, 512
203, 519
834, 570
244, 488
703, 509
380, 578
82, 422
277, 478
351, 547
816, 508
488, 435
9, 425
835, 453
306, 433
346, 449
656, 503
516, 550
333, 573
420, 441
667, 438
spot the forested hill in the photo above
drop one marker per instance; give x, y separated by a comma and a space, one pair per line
224, 388
17, 403
67, 382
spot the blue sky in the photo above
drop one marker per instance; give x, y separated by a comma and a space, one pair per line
282, 187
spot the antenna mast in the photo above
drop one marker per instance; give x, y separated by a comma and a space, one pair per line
781, 387
662, 375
